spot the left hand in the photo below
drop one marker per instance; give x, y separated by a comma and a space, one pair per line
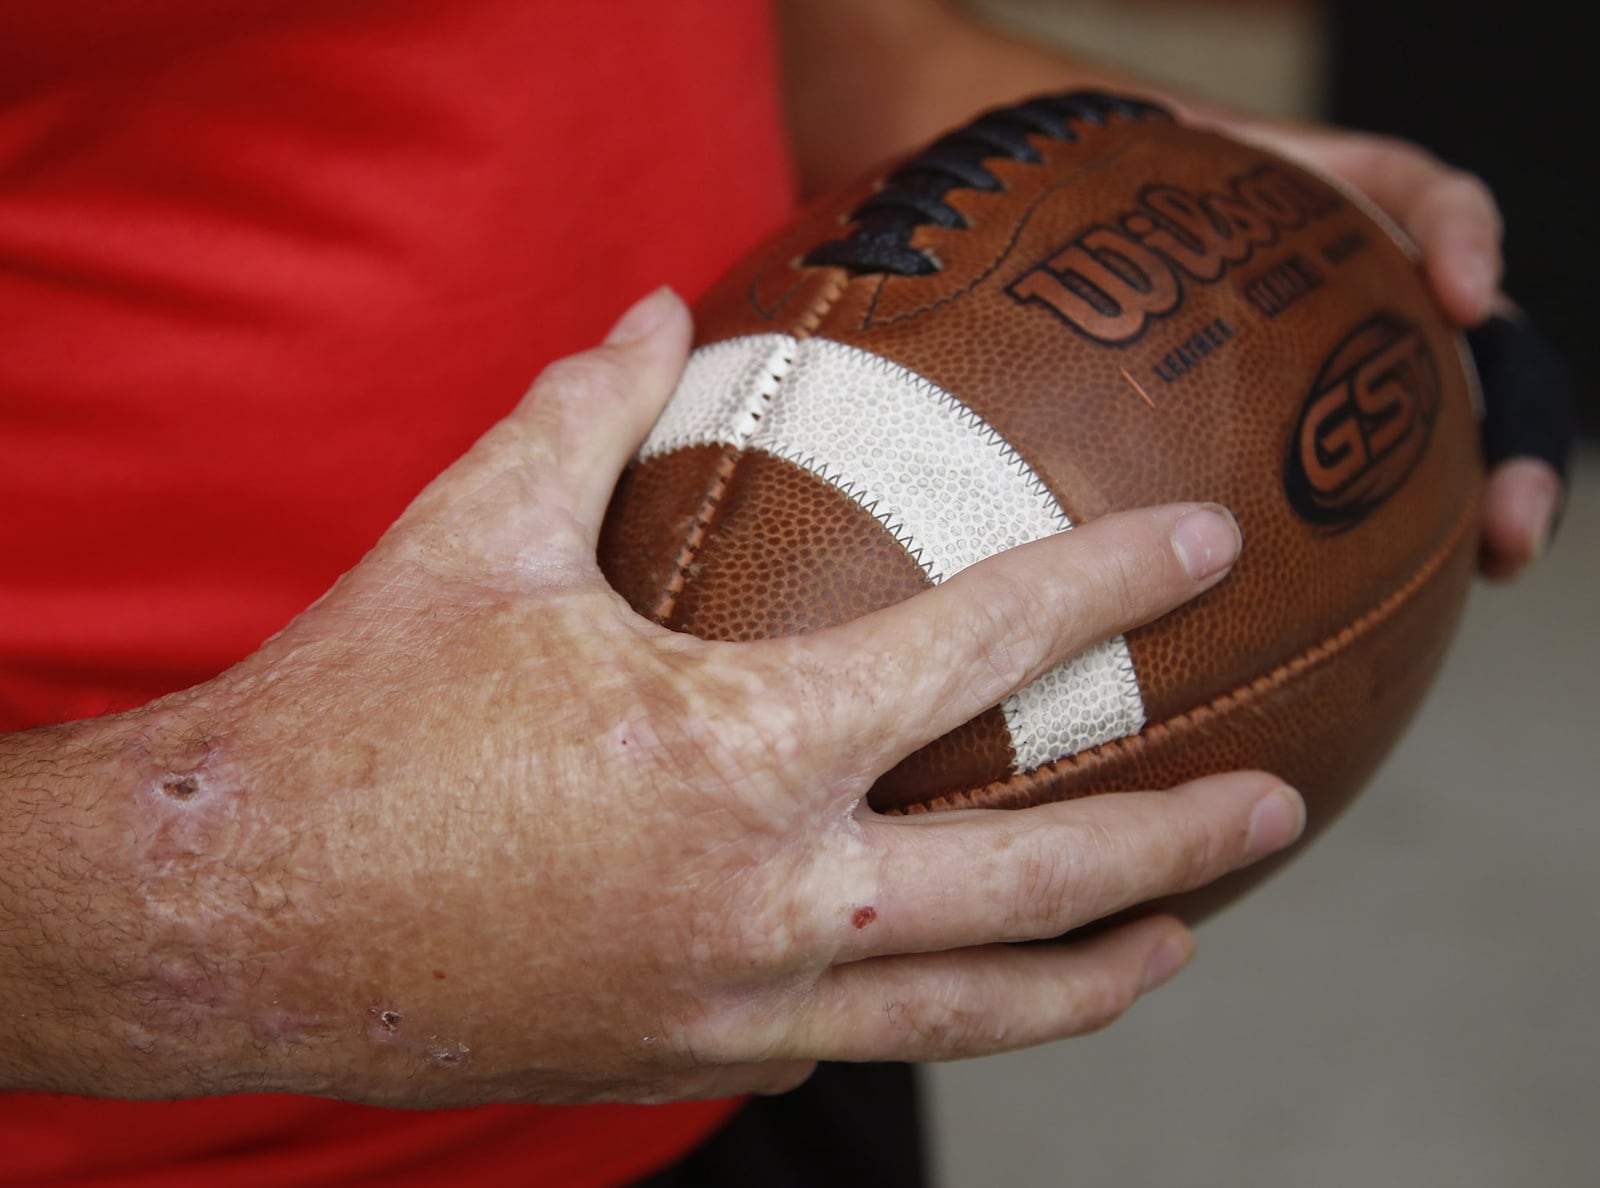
1452, 217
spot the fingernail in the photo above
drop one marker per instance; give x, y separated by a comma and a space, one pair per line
644, 317
1206, 541
1170, 957
1278, 818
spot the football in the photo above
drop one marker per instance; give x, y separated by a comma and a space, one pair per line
1072, 306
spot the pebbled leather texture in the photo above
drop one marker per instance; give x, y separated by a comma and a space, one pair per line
1146, 313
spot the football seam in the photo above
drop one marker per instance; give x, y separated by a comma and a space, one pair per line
1013, 790
683, 562
869, 318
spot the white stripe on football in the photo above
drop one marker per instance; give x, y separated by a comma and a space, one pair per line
939, 478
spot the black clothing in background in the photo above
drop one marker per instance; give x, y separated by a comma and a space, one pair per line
1507, 91
849, 1126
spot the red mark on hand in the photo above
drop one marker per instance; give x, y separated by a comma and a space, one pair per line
864, 916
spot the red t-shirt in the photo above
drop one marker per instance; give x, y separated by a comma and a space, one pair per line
266, 267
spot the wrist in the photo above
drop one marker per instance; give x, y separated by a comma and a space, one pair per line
156, 906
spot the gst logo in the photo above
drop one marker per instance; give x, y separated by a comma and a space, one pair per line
1365, 424
1115, 278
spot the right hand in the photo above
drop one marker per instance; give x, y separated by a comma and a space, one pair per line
470, 829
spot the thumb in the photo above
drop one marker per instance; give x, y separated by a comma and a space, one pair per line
589, 412
533, 490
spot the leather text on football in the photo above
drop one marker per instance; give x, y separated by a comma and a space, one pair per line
1114, 278
1365, 424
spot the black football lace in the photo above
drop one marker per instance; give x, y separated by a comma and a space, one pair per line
914, 195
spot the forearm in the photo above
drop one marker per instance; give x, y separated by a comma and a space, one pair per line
154, 905
864, 81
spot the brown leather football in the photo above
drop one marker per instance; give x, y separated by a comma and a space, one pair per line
1069, 307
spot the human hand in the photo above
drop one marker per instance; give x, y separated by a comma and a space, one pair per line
1454, 221
470, 829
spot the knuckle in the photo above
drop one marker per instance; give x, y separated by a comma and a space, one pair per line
1005, 631
824, 684
1215, 839
1006, 662
592, 381
758, 1022
712, 1035
946, 1022
765, 919
1098, 1002
1051, 884
717, 762
724, 735
1161, 844
747, 927
1206, 852
1130, 577
1190, 846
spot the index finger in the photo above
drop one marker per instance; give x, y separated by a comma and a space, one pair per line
903, 676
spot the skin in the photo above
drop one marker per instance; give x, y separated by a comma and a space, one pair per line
469, 830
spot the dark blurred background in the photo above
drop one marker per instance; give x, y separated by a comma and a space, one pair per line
1504, 90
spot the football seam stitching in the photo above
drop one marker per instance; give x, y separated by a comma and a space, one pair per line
694, 539
1318, 653
870, 319
987, 433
